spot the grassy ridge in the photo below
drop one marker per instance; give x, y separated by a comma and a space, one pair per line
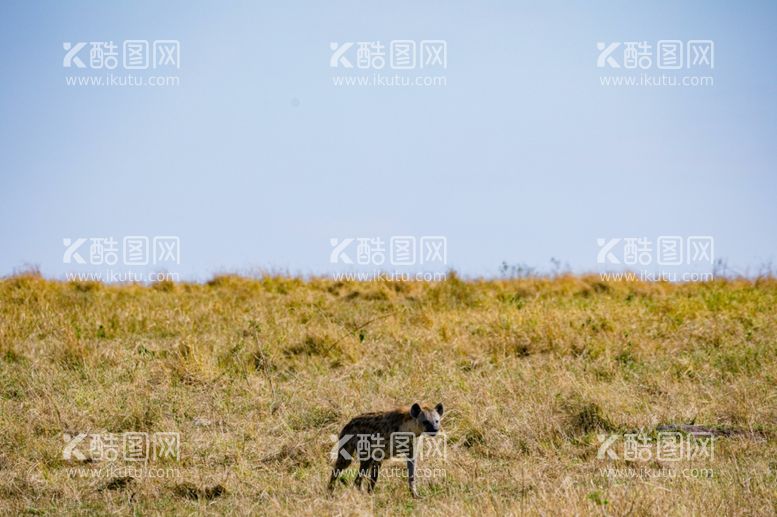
256, 375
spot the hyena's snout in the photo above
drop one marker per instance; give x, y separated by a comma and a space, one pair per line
431, 428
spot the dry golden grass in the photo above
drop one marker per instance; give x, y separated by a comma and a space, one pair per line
256, 375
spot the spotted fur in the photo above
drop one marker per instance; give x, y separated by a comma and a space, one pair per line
415, 419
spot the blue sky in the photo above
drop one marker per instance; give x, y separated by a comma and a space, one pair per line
256, 159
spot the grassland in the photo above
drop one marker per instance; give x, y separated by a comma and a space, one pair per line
256, 374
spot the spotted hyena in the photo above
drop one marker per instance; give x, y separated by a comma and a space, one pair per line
379, 427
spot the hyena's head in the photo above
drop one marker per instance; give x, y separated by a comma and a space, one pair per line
427, 420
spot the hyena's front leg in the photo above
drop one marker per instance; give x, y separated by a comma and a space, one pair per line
364, 467
344, 458
374, 471
340, 465
411, 476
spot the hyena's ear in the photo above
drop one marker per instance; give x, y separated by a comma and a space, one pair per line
415, 410
439, 408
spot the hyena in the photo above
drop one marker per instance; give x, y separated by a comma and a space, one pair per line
380, 426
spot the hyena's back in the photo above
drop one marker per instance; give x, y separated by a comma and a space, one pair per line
382, 423
378, 422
